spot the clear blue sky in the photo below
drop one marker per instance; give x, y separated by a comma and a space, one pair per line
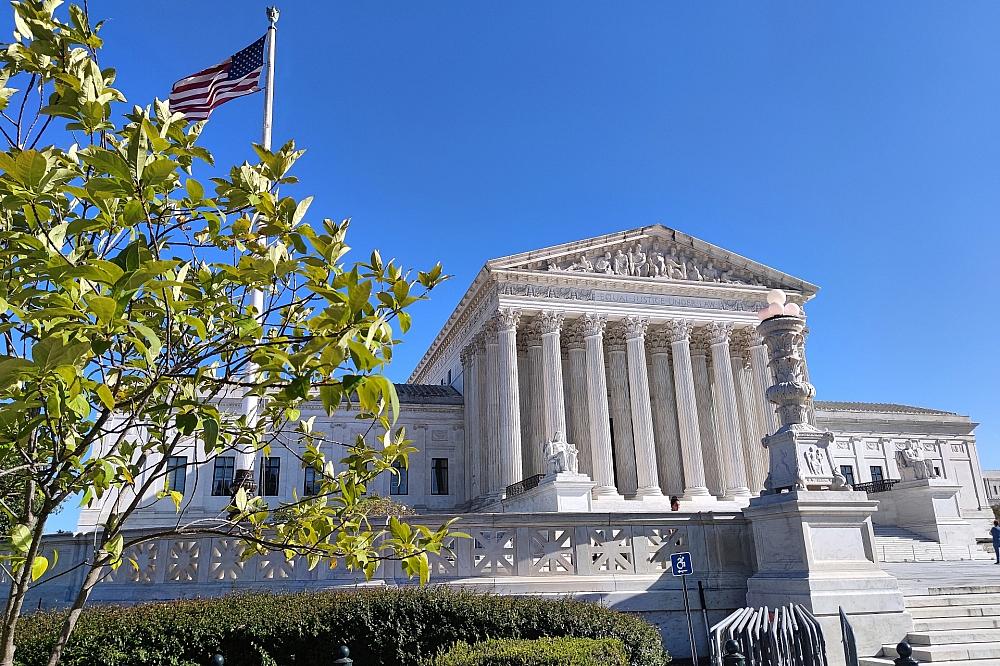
853, 144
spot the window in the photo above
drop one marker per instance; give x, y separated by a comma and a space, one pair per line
449, 377
176, 473
399, 482
937, 471
877, 473
270, 470
312, 482
847, 471
222, 476
439, 478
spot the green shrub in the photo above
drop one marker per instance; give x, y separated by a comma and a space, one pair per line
538, 652
401, 626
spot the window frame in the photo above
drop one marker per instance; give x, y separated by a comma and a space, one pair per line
399, 483
881, 472
174, 471
851, 480
231, 465
436, 468
265, 462
310, 482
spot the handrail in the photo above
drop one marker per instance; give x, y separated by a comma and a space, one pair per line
524, 485
881, 486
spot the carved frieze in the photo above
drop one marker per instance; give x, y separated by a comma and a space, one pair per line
524, 290
654, 258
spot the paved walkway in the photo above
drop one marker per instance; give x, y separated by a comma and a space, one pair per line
916, 577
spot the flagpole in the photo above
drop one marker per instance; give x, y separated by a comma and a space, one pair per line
244, 474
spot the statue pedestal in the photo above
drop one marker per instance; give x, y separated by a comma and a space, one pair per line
930, 508
565, 491
817, 548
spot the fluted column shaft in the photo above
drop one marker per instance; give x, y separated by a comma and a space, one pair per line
620, 403
665, 426
555, 408
470, 396
535, 403
576, 407
730, 436
509, 403
761, 381
687, 410
597, 403
751, 418
491, 409
706, 420
642, 414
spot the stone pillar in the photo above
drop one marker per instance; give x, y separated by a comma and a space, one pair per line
509, 403
597, 403
751, 414
470, 396
730, 438
762, 380
687, 411
534, 412
621, 411
576, 394
552, 380
665, 427
706, 421
862, 474
491, 408
642, 414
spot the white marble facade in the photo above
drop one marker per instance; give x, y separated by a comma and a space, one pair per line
640, 349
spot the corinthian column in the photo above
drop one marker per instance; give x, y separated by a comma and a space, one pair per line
470, 395
761, 381
534, 401
665, 428
706, 420
730, 437
642, 414
621, 411
597, 403
555, 408
491, 409
509, 403
687, 411
578, 425
751, 413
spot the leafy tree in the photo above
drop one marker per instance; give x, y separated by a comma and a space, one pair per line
127, 313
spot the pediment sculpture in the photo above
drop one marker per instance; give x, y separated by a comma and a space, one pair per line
653, 259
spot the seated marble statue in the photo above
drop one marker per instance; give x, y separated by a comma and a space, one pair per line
560, 455
912, 464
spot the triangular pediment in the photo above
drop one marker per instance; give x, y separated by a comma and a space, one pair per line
656, 253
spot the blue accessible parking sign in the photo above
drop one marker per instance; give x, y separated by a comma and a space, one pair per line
680, 564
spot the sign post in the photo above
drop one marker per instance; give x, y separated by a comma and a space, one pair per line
681, 565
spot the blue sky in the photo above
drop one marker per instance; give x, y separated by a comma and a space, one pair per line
852, 144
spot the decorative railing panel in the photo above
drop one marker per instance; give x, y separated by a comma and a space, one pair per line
880, 486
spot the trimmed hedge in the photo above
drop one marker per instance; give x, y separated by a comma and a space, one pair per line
381, 626
539, 652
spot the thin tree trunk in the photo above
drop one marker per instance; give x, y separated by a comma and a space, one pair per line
18, 591
92, 578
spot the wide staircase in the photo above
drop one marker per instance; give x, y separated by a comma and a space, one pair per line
951, 626
894, 544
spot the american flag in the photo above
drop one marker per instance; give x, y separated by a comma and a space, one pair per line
197, 95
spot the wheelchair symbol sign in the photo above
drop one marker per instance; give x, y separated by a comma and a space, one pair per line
680, 564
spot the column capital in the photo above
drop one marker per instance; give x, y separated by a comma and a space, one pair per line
507, 318
680, 329
741, 344
719, 332
615, 336
658, 340
551, 321
573, 337
700, 341
754, 337
635, 327
593, 324
468, 353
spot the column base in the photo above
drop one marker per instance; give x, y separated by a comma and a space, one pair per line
606, 493
738, 495
650, 491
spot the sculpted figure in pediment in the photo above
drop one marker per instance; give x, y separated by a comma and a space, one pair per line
637, 261
675, 268
693, 273
584, 265
621, 263
604, 264
657, 265
710, 273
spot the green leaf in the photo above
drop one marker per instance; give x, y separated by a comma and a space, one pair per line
211, 428
20, 538
195, 190
103, 307
104, 395
39, 566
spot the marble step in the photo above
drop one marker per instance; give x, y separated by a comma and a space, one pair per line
926, 600
952, 623
925, 612
953, 636
957, 652
965, 589
886, 661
